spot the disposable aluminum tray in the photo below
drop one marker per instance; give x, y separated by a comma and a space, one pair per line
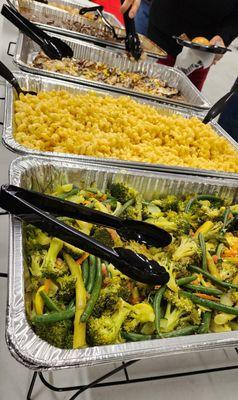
41, 173
40, 83
26, 50
40, 11
41, 8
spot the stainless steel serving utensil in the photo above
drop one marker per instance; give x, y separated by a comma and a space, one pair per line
99, 12
136, 266
7, 74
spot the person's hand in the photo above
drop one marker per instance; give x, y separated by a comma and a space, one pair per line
218, 41
134, 4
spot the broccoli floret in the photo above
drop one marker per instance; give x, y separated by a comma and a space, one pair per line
66, 291
208, 210
115, 289
151, 211
171, 318
103, 236
58, 334
189, 310
122, 192
163, 223
179, 301
187, 249
35, 238
106, 329
134, 211
169, 202
52, 266
171, 268
214, 234
36, 260
140, 313
228, 271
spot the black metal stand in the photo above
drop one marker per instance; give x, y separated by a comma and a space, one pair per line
98, 383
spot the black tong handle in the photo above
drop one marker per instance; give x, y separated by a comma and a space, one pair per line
218, 107
85, 10
61, 207
132, 41
129, 229
28, 212
6, 74
32, 31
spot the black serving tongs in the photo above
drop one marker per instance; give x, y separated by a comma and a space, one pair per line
53, 47
8, 75
35, 208
132, 41
99, 12
218, 107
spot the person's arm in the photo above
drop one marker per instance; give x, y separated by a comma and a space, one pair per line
134, 4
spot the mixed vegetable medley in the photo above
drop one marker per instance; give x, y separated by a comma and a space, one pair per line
74, 299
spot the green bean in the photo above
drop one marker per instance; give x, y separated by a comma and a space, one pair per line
95, 293
85, 272
209, 197
157, 307
49, 302
71, 304
187, 330
204, 289
54, 316
210, 304
186, 280
212, 278
124, 207
92, 273
203, 248
68, 194
137, 337
204, 327
219, 250
225, 219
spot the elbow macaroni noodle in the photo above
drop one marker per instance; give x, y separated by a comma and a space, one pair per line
120, 128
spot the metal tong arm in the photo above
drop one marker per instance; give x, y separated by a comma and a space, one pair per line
6, 74
218, 107
13, 203
22, 23
99, 10
60, 207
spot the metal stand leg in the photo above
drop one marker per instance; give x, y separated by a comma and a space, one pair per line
32, 384
98, 383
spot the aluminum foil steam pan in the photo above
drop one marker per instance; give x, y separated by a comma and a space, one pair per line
26, 50
42, 8
40, 83
41, 14
41, 174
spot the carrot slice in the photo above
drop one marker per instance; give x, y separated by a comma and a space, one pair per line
206, 296
81, 259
